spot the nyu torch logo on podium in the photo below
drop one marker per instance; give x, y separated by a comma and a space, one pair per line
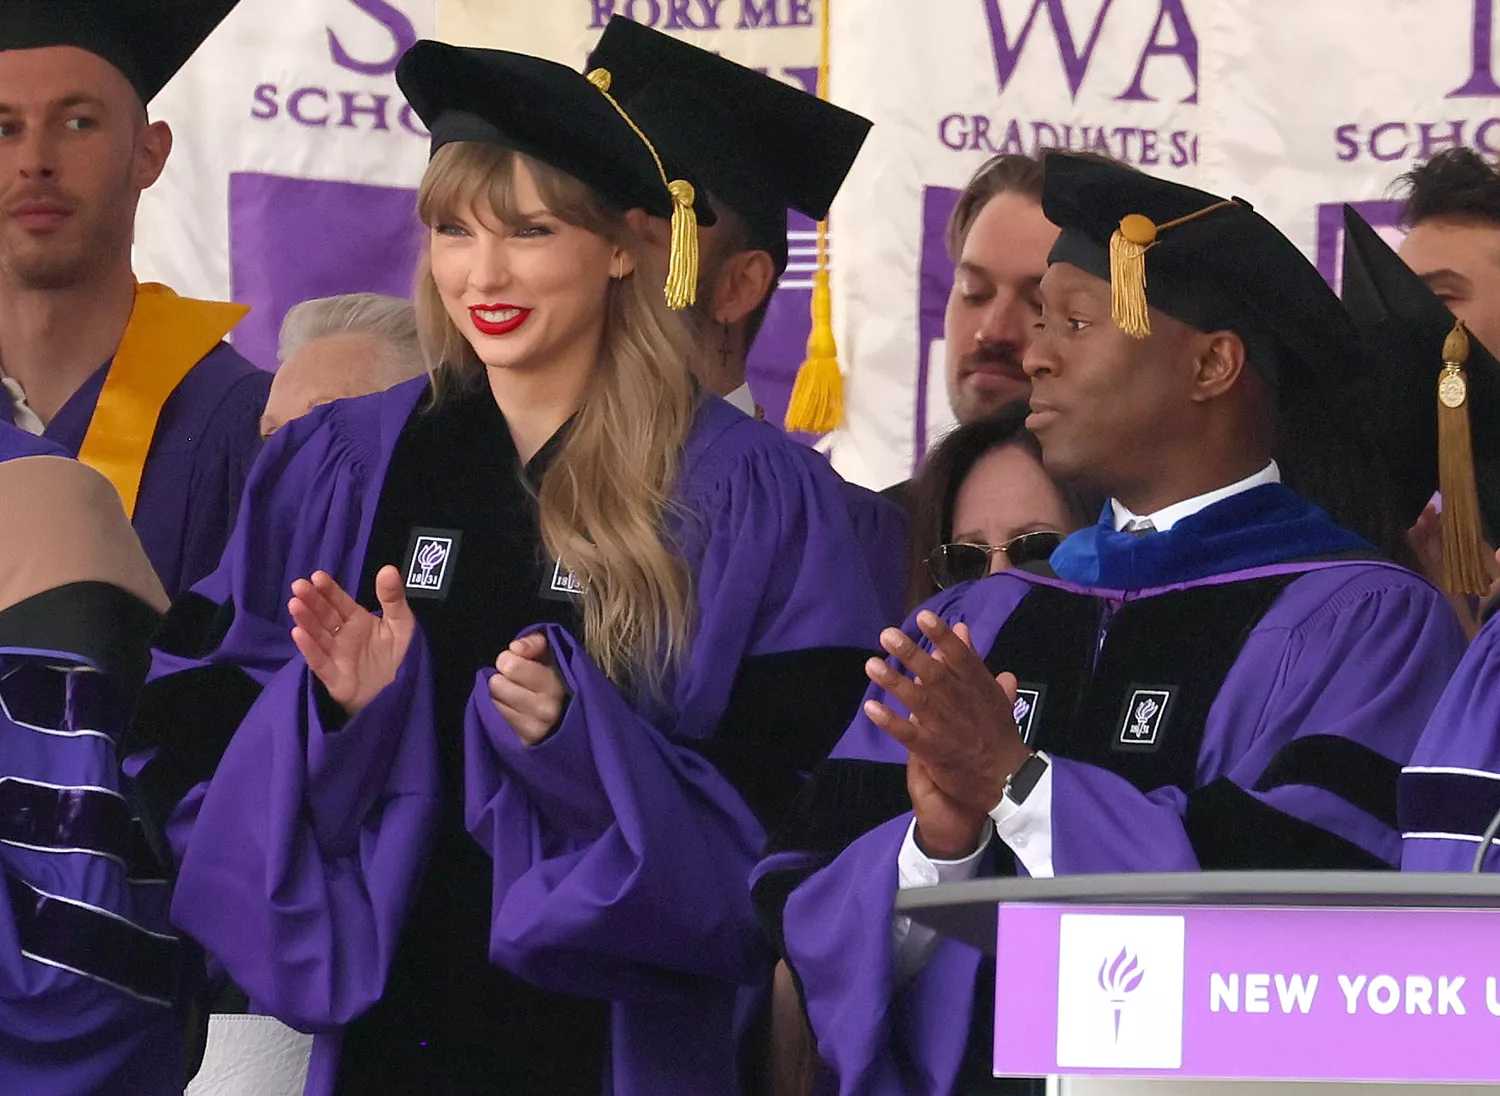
1119, 979
1119, 991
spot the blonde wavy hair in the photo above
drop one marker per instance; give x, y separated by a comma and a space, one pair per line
604, 499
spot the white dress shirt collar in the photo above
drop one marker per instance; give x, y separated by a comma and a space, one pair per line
1168, 516
21, 411
742, 399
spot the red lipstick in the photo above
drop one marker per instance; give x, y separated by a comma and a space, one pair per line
497, 319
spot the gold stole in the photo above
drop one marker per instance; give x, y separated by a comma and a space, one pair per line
167, 335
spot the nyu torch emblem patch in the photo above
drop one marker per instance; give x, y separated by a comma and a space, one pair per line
430, 561
1144, 717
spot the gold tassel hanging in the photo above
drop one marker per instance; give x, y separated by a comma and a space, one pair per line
1127, 274
817, 404
682, 263
1464, 571
682, 269
1137, 235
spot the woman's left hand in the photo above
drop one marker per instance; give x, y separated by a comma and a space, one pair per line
528, 690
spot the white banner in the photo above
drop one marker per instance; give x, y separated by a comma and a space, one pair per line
295, 153
294, 163
949, 85
1310, 105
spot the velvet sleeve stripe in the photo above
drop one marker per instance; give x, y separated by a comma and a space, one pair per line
1232, 830
785, 713
188, 718
1455, 802
95, 943
194, 626
1349, 770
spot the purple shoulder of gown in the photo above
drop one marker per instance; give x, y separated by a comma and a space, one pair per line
622, 845
15, 442
884, 531
207, 437
90, 969
1450, 792
1344, 667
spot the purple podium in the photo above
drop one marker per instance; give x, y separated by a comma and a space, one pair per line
1284, 977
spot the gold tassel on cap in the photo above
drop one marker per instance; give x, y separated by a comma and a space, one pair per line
682, 266
1127, 274
1137, 235
1464, 571
817, 404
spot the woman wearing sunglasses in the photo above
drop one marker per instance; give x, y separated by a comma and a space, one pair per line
984, 503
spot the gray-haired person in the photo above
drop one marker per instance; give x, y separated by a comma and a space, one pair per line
337, 347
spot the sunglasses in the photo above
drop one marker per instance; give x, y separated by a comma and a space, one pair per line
951, 564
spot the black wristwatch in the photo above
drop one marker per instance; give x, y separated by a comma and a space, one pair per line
1020, 783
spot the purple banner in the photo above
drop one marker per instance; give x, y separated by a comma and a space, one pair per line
291, 240
1270, 994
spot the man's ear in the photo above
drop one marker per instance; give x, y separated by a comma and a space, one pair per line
745, 280
1221, 362
151, 152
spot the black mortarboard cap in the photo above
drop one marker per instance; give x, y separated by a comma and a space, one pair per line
759, 145
147, 40
1212, 263
559, 117
1404, 326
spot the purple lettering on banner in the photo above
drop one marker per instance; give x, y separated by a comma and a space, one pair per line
979, 135
375, 110
958, 140
294, 106
1372, 995
1381, 130
603, 9
1184, 46
679, 17
1149, 156
801, 13
633, 7
1481, 81
1050, 141
934, 281
1432, 143
781, 346
1008, 54
294, 239
758, 13
1482, 137
402, 33
265, 107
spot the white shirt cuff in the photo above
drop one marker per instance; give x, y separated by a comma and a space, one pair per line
914, 868
1026, 828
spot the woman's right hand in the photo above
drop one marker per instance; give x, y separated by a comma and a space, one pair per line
353, 652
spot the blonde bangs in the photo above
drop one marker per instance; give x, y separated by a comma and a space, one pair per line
472, 179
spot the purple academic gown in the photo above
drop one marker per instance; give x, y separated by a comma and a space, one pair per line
89, 966
883, 529
206, 439
1300, 732
15, 442
1451, 790
621, 854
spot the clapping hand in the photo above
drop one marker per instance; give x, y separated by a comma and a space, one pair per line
961, 736
528, 690
353, 652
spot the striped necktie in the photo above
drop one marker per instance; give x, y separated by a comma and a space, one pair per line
1139, 527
